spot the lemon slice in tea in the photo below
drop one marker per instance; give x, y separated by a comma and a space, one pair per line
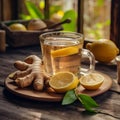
65, 51
92, 81
63, 81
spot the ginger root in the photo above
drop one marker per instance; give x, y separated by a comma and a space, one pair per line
30, 71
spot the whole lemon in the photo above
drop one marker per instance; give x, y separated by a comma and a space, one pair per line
17, 27
104, 50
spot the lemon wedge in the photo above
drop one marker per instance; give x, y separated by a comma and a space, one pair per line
92, 81
63, 81
65, 51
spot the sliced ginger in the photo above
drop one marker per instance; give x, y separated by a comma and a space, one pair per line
30, 71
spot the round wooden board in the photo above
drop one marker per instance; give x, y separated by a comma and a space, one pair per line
54, 97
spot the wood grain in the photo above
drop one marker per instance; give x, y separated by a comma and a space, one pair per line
54, 97
13, 107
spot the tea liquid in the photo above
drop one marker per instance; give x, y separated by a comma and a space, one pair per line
61, 63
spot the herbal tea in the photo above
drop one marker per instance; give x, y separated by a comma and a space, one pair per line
61, 54
63, 51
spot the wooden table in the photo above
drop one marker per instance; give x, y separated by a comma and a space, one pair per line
18, 108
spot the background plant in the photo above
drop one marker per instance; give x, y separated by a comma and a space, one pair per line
96, 16
37, 12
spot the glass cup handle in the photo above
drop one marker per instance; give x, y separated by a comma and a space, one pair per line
91, 57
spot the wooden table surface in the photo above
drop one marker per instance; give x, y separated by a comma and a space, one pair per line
17, 108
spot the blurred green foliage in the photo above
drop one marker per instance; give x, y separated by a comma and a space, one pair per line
73, 16
97, 19
95, 31
34, 12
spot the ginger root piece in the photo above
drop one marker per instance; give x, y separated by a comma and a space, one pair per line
30, 71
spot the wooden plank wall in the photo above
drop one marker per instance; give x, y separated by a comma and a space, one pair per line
8, 10
5, 10
115, 22
1, 10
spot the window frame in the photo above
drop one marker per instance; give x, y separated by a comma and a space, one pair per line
13, 8
115, 22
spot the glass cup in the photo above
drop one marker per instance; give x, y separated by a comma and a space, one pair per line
63, 51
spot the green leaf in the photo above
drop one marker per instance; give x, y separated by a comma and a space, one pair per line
33, 10
87, 102
25, 17
107, 22
69, 97
71, 26
100, 3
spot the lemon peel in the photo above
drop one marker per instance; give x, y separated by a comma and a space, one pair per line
65, 51
92, 81
62, 82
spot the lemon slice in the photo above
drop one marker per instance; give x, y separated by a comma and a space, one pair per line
63, 81
92, 81
65, 51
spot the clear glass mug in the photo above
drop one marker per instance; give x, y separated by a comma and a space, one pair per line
63, 51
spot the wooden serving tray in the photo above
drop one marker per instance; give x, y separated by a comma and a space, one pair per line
24, 38
54, 97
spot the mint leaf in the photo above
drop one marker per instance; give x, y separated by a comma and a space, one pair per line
69, 97
87, 102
